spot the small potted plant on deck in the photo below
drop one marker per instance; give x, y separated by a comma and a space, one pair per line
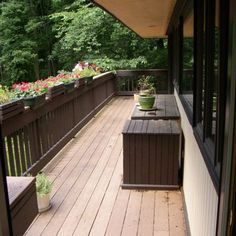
43, 189
146, 93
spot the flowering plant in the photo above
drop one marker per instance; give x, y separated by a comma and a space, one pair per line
86, 69
25, 89
67, 78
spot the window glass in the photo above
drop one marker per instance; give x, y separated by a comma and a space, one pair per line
216, 71
187, 75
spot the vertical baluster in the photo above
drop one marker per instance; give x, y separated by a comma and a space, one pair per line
27, 147
11, 156
22, 150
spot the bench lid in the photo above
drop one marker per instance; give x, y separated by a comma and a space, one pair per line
151, 127
17, 186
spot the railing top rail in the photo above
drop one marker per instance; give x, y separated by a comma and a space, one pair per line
130, 73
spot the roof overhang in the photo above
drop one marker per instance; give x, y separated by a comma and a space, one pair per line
147, 18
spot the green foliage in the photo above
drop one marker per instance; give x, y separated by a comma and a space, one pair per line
4, 95
43, 184
146, 86
40, 37
87, 72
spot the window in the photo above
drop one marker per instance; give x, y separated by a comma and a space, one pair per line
210, 73
186, 89
199, 68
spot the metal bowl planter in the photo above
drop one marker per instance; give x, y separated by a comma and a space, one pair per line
146, 101
35, 102
11, 108
55, 91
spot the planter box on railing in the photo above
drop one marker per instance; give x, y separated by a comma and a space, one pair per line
88, 79
79, 82
69, 87
34, 137
55, 91
10, 109
35, 102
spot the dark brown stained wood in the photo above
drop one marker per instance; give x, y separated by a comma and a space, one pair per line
153, 156
23, 203
10, 156
166, 109
27, 147
16, 153
22, 150
78, 191
48, 128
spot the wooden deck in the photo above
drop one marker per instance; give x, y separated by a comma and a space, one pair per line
87, 198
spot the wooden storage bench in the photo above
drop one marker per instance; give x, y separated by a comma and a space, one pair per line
23, 203
151, 154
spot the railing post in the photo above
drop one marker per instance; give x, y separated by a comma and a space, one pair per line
5, 216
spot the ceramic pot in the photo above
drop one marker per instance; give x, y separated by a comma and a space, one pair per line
146, 101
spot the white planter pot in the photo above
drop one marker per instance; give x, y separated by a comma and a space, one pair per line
43, 202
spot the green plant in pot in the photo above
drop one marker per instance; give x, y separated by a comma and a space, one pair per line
43, 189
146, 94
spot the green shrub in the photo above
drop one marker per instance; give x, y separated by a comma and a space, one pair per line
43, 184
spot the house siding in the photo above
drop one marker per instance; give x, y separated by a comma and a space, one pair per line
201, 199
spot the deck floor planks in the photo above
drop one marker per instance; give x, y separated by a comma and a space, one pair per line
75, 214
146, 222
118, 213
161, 224
65, 183
176, 219
131, 222
87, 198
79, 187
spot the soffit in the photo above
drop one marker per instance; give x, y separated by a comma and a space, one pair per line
148, 18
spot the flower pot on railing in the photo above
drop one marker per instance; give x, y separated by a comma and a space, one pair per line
11, 109
34, 102
55, 91
69, 87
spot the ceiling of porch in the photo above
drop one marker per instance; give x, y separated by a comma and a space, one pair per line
147, 18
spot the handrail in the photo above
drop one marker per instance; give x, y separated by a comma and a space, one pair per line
34, 137
127, 80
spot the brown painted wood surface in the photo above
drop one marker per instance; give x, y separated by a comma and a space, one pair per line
87, 198
34, 137
23, 203
166, 109
151, 153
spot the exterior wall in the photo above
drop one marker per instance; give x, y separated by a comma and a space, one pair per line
201, 199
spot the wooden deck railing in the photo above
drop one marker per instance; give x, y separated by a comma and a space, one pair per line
33, 137
127, 80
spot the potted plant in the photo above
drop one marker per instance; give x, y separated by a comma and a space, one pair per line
9, 107
43, 189
33, 94
146, 93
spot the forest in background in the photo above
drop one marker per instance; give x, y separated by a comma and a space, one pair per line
38, 38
